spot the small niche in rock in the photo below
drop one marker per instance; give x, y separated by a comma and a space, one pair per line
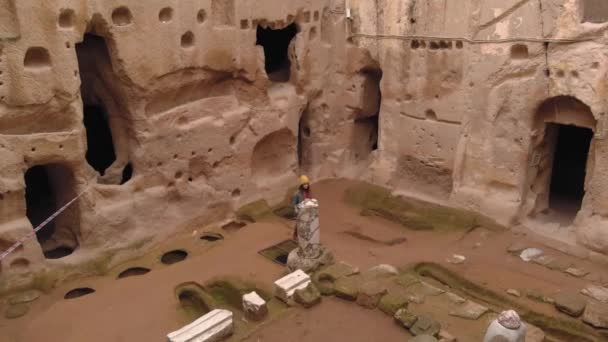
173, 257
430, 115
66, 18
233, 226
127, 173
415, 44
187, 40
122, 16
201, 16
236, 193
133, 272
165, 15
212, 237
37, 58
79, 292
459, 44
519, 51
434, 46
20, 263
58, 252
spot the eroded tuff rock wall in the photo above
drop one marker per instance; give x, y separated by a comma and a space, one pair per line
169, 113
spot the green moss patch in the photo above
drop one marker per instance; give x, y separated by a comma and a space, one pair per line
229, 293
254, 212
412, 213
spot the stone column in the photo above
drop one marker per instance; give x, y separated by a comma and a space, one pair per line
307, 226
310, 254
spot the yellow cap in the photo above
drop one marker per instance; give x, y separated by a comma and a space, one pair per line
304, 180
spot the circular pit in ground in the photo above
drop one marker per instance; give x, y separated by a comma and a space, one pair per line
78, 292
212, 237
133, 272
173, 257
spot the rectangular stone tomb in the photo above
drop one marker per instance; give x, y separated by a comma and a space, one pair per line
211, 327
286, 286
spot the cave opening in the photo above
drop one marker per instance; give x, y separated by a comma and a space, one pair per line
569, 169
93, 62
276, 50
47, 188
304, 141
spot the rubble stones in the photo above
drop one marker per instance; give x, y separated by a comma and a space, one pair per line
347, 287
308, 297
394, 300
599, 293
370, 294
530, 254
405, 318
469, 310
572, 304
325, 278
425, 325
596, 314
514, 293
423, 338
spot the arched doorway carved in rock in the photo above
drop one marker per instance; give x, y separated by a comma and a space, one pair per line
561, 159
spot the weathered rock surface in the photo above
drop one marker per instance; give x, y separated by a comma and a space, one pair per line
405, 318
469, 310
16, 310
308, 297
599, 293
596, 314
425, 325
571, 303
324, 278
394, 300
423, 338
348, 287
24, 297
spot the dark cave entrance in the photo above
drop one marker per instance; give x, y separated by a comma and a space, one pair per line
304, 141
93, 60
571, 152
98, 96
367, 121
100, 147
276, 50
48, 188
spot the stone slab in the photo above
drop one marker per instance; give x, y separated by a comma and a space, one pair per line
596, 314
286, 286
212, 327
469, 310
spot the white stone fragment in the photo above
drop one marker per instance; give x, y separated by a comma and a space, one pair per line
599, 293
211, 327
254, 306
530, 253
286, 286
508, 327
253, 301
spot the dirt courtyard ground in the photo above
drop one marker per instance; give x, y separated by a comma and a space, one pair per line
144, 308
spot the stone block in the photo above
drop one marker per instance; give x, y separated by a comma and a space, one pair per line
469, 310
286, 286
572, 304
254, 306
405, 318
393, 301
325, 278
370, 293
425, 325
214, 326
599, 293
308, 297
347, 287
596, 314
